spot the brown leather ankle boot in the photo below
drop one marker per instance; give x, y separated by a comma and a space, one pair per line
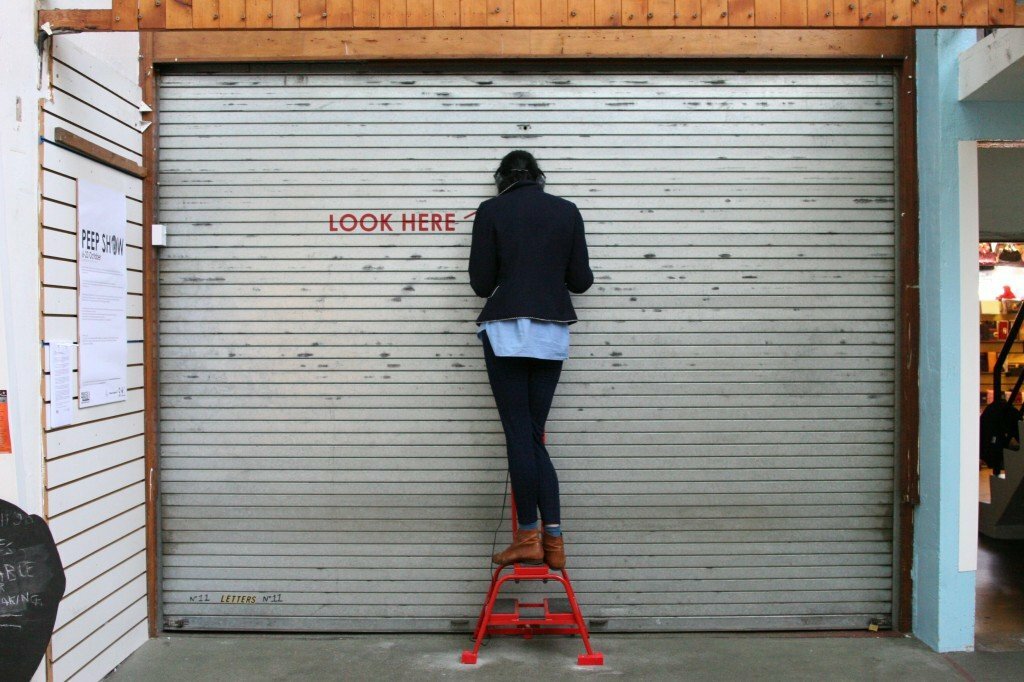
554, 551
524, 548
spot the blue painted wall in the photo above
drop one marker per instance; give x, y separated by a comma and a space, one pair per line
943, 595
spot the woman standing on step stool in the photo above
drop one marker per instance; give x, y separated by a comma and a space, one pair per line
528, 252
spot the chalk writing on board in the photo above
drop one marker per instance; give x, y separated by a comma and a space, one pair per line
31, 586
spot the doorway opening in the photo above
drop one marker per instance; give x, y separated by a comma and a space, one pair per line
992, 173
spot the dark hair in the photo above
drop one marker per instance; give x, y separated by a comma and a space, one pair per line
517, 165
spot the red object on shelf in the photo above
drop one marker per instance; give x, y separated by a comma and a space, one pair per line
553, 621
1007, 293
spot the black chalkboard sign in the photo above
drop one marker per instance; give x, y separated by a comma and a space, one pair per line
31, 587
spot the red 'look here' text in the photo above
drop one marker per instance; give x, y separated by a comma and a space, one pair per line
387, 222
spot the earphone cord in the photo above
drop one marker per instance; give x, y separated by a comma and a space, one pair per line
514, 170
504, 494
494, 539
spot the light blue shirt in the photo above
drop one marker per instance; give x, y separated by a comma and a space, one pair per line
525, 337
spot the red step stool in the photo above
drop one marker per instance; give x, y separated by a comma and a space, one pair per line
506, 617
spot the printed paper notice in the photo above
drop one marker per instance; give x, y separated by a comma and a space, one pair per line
5, 426
102, 296
61, 383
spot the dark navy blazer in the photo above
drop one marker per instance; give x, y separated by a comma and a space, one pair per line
529, 251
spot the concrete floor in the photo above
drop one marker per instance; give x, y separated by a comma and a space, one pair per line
999, 611
791, 657
733, 657
999, 594
400, 657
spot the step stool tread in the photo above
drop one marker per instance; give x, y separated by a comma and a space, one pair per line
504, 606
559, 605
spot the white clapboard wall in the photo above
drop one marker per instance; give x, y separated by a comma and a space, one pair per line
94, 467
724, 429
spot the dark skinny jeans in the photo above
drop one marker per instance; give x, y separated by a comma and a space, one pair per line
523, 390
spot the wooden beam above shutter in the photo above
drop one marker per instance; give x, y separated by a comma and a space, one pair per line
373, 14
483, 43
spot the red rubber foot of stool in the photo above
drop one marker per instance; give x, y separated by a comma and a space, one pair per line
468, 657
596, 658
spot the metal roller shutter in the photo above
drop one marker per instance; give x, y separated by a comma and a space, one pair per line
723, 432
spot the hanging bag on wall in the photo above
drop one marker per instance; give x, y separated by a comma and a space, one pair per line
1009, 254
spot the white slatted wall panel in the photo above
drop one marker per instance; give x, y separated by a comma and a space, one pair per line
95, 466
723, 430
